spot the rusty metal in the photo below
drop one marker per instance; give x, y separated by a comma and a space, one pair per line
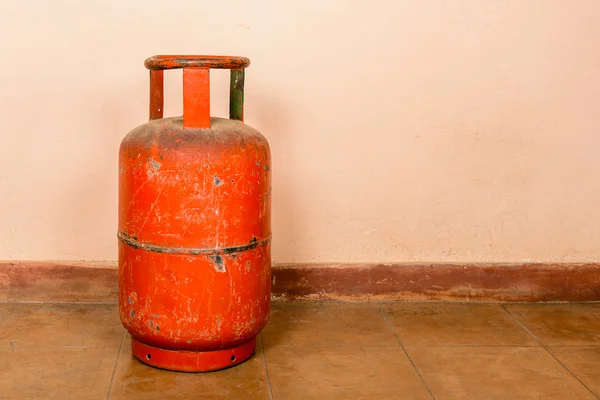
194, 226
211, 62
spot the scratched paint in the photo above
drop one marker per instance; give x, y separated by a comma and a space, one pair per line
148, 200
242, 310
194, 236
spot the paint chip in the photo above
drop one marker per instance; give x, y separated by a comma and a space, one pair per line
219, 263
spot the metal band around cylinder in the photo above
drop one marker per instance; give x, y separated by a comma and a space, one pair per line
136, 244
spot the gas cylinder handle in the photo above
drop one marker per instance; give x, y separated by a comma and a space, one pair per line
196, 86
213, 62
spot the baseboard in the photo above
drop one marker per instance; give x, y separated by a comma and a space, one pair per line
541, 282
58, 281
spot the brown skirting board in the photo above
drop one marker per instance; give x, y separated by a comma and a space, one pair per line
544, 282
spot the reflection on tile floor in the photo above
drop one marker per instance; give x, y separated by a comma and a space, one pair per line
319, 350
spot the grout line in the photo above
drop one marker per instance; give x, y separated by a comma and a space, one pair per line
550, 352
468, 346
112, 378
406, 352
552, 303
445, 346
66, 347
438, 301
262, 345
358, 302
57, 302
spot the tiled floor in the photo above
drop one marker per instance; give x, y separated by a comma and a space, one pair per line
319, 351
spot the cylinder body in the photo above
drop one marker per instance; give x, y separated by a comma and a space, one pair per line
194, 242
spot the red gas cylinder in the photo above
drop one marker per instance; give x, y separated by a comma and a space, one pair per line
194, 226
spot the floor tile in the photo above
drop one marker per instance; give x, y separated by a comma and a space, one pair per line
499, 373
56, 373
318, 350
560, 324
363, 373
584, 362
448, 324
326, 324
134, 380
44, 324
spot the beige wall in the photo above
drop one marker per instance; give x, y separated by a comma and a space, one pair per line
401, 130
